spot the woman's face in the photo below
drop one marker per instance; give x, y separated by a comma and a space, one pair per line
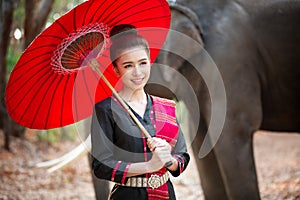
133, 65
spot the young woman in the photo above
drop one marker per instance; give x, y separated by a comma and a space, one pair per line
121, 153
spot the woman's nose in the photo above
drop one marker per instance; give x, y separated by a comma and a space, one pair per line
136, 70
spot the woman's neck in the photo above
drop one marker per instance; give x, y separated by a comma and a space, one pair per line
138, 96
137, 100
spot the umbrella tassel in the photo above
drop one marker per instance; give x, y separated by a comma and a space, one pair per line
58, 163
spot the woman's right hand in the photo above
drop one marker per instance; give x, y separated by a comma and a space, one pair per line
161, 154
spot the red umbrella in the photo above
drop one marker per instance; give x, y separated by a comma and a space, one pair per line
51, 86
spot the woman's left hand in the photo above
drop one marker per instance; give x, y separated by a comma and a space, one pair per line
158, 142
162, 149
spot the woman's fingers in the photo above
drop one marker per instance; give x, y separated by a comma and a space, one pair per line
157, 142
160, 157
151, 144
163, 153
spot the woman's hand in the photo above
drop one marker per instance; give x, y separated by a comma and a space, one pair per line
155, 142
161, 153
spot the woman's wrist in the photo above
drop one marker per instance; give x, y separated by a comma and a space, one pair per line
174, 165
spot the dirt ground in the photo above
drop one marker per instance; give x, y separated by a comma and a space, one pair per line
277, 159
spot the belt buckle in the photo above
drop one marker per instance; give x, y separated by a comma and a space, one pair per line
154, 181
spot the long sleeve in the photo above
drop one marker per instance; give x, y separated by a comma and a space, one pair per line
180, 154
105, 163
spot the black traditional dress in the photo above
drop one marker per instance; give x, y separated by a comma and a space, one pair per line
117, 142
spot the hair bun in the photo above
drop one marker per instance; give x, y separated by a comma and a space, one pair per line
122, 30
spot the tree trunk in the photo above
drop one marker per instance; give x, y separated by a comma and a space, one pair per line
35, 18
8, 126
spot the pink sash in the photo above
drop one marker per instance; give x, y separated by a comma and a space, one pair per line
164, 119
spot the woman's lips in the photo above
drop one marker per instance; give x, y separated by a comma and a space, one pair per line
138, 81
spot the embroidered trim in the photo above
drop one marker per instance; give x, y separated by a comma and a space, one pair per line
145, 147
125, 173
180, 161
115, 171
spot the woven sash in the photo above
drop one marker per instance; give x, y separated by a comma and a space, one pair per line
164, 120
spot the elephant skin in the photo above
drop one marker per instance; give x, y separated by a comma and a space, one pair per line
255, 46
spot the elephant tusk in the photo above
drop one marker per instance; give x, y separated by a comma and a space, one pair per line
60, 162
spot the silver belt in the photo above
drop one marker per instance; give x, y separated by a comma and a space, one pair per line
154, 181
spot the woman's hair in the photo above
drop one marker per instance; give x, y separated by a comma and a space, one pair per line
124, 37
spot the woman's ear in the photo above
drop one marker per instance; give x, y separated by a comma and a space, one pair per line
115, 68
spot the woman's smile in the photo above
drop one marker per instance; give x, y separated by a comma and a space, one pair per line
138, 81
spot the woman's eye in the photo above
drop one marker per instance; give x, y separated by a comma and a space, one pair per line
144, 63
127, 66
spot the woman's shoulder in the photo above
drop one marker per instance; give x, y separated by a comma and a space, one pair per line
104, 104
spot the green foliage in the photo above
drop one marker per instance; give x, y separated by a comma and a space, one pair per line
11, 60
19, 15
50, 136
15, 48
56, 135
61, 7
183, 118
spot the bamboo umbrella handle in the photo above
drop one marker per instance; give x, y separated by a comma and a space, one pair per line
94, 65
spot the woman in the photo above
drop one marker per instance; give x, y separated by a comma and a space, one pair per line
121, 153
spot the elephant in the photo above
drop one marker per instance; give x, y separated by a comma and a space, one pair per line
255, 46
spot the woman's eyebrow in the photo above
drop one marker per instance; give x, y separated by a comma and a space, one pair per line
130, 62
143, 59
127, 62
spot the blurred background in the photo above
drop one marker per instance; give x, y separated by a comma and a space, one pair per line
277, 155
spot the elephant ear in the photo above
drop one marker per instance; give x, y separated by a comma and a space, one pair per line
183, 41
193, 32
185, 21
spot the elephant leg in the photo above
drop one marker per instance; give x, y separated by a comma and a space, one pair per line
209, 172
210, 176
234, 148
101, 186
234, 152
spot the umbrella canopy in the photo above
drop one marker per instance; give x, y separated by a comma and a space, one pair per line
51, 85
